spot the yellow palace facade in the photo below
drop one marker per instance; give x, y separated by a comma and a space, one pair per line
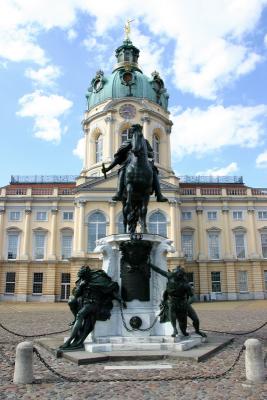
49, 225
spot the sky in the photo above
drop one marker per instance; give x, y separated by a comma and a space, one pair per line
212, 55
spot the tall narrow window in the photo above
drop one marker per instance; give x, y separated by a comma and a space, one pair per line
240, 245
12, 245
187, 244
66, 244
120, 224
65, 286
124, 135
10, 282
37, 285
39, 245
216, 281
214, 245
96, 228
243, 281
264, 244
99, 148
265, 280
155, 146
157, 224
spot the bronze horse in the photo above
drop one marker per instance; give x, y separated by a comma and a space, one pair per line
138, 183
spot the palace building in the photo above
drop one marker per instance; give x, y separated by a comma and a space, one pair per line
49, 225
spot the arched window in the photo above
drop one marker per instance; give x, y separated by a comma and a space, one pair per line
120, 224
155, 145
99, 148
157, 224
96, 229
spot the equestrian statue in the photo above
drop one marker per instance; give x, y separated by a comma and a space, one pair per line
137, 179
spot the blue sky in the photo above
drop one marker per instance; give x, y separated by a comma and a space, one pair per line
212, 55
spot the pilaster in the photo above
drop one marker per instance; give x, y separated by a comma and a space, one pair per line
200, 233
231, 281
226, 233
26, 236
52, 255
109, 145
112, 223
252, 246
147, 134
175, 229
2, 214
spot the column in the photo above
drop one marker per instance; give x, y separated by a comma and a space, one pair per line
203, 282
2, 214
258, 280
86, 149
25, 253
53, 235
75, 229
112, 222
226, 233
168, 140
231, 281
80, 249
50, 287
108, 145
175, 230
252, 246
146, 132
200, 233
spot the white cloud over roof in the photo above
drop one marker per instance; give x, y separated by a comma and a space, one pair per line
46, 111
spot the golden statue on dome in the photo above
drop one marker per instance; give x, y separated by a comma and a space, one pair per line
127, 29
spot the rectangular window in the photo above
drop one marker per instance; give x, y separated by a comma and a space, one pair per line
190, 278
240, 245
12, 246
186, 215
41, 216
265, 280
216, 282
68, 215
66, 248
65, 286
39, 248
237, 215
212, 215
243, 281
214, 248
37, 286
14, 216
10, 282
264, 245
187, 245
262, 215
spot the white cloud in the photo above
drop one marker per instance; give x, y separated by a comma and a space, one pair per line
44, 76
261, 160
265, 40
72, 34
208, 38
79, 149
46, 111
198, 131
223, 171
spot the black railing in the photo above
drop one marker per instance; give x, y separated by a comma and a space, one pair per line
211, 179
43, 179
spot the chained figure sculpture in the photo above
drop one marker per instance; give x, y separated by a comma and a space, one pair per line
137, 178
91, 301
176, 303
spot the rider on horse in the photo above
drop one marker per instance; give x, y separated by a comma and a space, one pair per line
121, 157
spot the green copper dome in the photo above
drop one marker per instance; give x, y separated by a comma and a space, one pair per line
127, 80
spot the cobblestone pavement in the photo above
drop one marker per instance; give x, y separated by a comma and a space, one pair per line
40, 318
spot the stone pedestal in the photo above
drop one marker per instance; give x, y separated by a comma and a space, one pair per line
115, 328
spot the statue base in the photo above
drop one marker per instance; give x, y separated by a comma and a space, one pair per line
142, 313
